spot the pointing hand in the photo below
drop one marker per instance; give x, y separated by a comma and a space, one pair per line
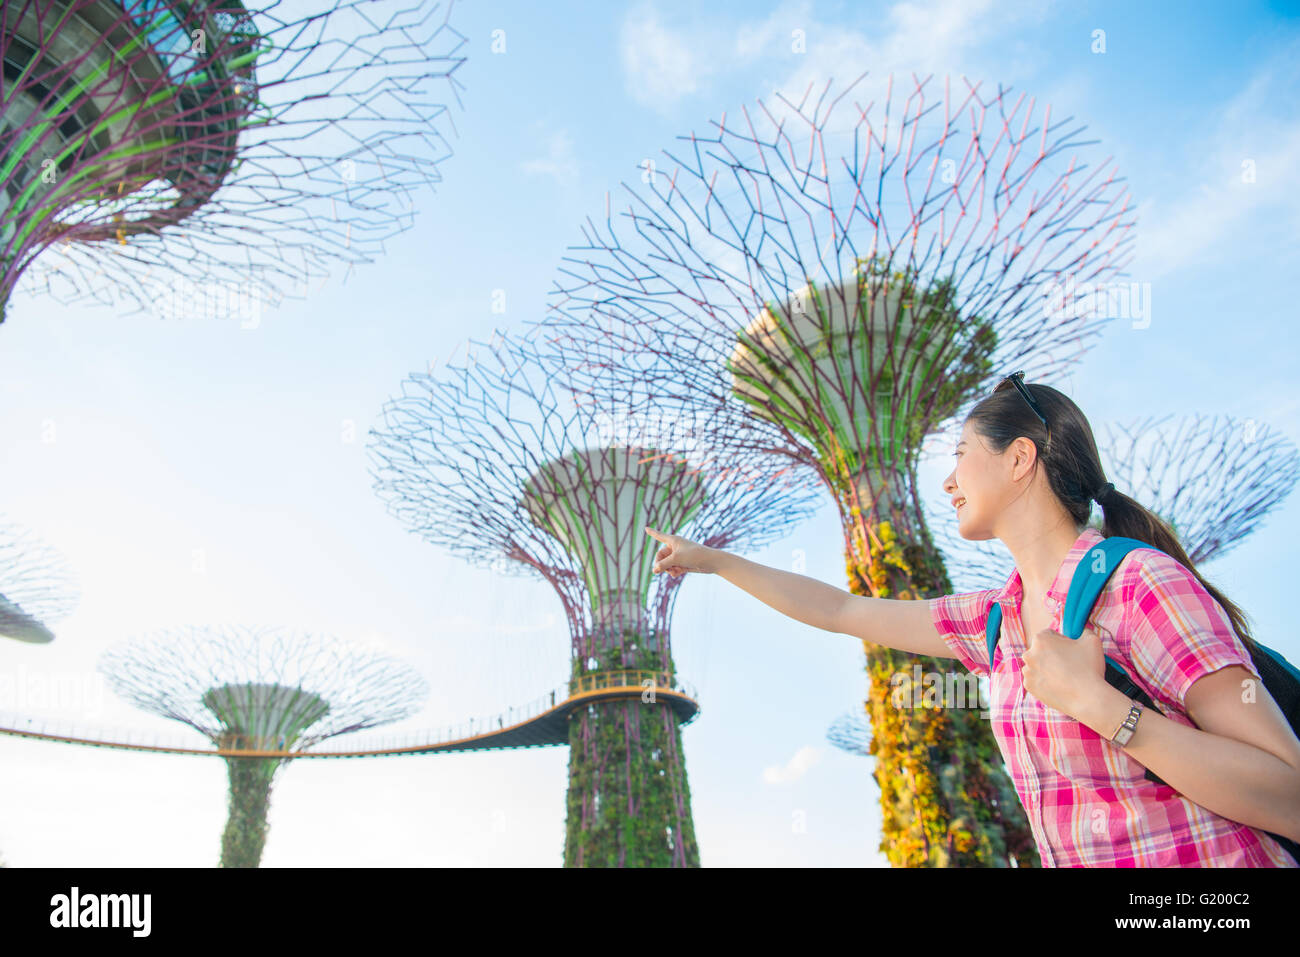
680, 555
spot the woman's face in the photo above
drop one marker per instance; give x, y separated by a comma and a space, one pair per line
977, 478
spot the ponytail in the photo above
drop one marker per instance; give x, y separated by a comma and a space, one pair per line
1125, 517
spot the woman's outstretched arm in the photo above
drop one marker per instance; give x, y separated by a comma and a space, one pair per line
902, 624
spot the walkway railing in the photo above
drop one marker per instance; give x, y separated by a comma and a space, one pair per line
364, 744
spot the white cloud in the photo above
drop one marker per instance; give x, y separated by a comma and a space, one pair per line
804, 758
659, 64
777, 31
662, 65
559, 162
1252, 128
947, 37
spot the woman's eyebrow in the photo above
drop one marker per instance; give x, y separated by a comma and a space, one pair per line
961, 443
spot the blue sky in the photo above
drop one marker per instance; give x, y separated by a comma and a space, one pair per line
199, 472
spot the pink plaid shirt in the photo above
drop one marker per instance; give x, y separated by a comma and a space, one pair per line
1088, 802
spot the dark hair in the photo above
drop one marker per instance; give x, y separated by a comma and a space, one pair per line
1075, 476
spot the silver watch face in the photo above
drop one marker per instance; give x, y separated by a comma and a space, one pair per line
1130, 723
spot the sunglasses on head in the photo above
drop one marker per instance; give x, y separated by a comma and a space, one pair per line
1017, 379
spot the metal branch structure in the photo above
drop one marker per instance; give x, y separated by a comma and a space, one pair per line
1212, 479
215, 155
844, 272
37, 588
497, 463
260, 689
851, 732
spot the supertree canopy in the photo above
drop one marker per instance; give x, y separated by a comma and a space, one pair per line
850, 732
161, 148
845, 277
257, 690
496, 463
1211, 479
36, 586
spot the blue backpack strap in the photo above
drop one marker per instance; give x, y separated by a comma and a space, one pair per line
1090, 577
1089, 580
993, 628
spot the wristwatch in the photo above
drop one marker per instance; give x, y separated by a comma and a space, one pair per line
1121, 736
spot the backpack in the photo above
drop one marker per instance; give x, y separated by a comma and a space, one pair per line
1281, 678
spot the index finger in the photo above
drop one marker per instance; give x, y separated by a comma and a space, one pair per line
655, 534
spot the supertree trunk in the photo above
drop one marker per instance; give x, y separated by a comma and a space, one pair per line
629, 803
945, 796
250, 802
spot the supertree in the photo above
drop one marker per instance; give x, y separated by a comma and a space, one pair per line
498, 464
846, 290
850, 732
1212, 479
179, 155
256, 690
36, 586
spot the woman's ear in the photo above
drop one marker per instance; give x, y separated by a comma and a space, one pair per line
1025, 453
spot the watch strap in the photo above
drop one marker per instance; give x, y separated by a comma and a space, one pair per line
1125, 731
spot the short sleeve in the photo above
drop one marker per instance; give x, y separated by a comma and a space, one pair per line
960, 621
1177, 633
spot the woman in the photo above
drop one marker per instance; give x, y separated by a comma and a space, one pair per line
1027, 472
